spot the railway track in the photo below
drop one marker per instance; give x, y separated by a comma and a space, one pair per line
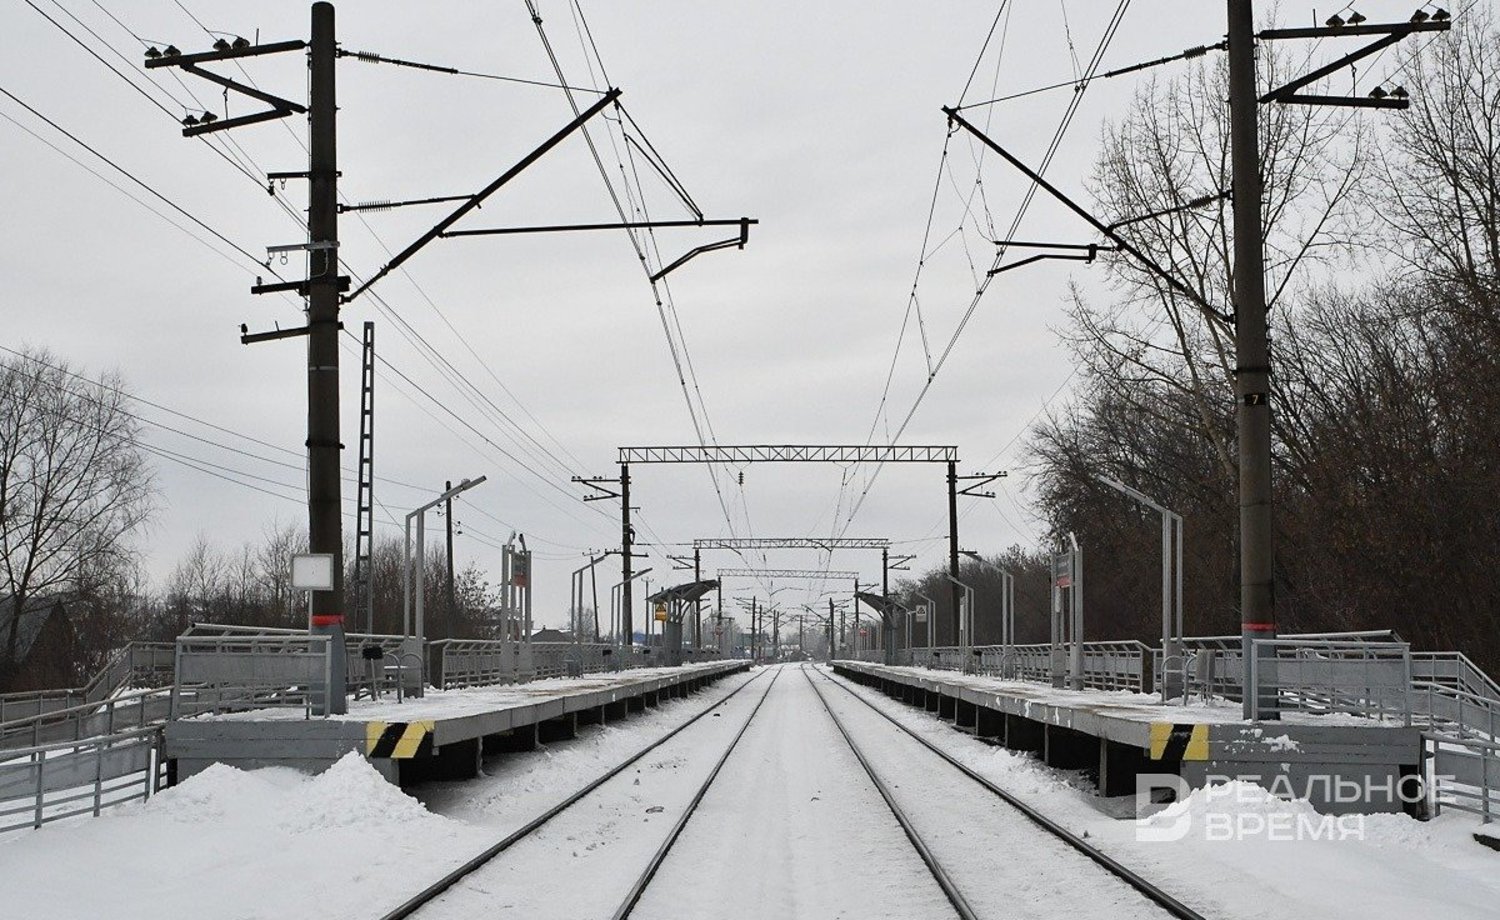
1168, 904
419, 902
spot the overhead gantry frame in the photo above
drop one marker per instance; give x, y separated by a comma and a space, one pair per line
785, 453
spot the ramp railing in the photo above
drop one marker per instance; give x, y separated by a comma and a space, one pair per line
237, 672
50, 782
362, 679
136, 665
1322, 676
133, 709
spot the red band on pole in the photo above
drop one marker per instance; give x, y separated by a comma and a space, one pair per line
1258, 627
328, 619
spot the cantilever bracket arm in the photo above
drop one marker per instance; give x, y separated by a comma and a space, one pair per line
1061, 257
478, 198
603, 491
979, 481
738, 242
1124, 245
1390, 33
279, 107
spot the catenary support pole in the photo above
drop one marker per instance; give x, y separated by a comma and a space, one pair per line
324, 508
452, 613
627, 538
955, 592
1252, 352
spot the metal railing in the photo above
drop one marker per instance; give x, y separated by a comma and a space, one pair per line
1323, 676
134, 709
238, 671
362, 679
1463, 774
573, 659
480, 662
46, 783
1107, 665
1455, 670
135, 665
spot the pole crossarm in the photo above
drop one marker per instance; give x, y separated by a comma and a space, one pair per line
766, 453
824, 543
786, 573
977, 482
600, 483
1390, 33
279, 107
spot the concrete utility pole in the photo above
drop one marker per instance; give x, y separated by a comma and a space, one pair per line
830, 629
627, 538
1252, 351
324, 508
452, 594
953, 547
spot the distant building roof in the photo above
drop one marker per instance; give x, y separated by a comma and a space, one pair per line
32, 620
548, 634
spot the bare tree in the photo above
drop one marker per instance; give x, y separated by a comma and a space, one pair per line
74, 484
1442, 166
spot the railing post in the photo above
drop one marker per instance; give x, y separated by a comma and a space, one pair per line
98, 775
41, 768
1252, 678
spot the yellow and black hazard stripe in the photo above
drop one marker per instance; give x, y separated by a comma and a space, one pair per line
1179, 741
398, 740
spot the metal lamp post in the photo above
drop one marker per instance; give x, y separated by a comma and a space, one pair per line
615, 593
1007, 607
420, 515
965, 625
1171, 532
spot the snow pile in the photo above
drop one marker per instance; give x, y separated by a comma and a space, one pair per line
352, 794
219, 793
343, 844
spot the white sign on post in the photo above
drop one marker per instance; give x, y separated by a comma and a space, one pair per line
921, 614
312, 571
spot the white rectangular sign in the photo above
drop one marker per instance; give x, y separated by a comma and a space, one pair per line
312, 571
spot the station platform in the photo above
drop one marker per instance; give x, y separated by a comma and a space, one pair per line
1118, 736
442, 735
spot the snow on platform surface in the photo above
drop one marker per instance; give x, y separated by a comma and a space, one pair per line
1120, 704
471, 701
791, 830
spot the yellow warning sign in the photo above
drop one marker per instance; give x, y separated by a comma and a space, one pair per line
661, 613
1178, 741
398, 740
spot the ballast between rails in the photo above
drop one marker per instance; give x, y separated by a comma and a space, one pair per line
430, 893
639, 888
939, 874
1150, 891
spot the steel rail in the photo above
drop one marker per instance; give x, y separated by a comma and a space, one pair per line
1153, 893
432, 891
633, 897
940, 875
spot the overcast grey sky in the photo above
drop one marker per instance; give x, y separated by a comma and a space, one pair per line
820, 119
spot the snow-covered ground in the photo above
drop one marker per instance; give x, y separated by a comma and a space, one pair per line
275, 843
791, 828
1387, 867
